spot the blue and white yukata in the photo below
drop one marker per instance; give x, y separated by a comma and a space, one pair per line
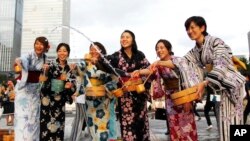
27, 100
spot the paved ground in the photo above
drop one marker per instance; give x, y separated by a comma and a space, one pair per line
157, 129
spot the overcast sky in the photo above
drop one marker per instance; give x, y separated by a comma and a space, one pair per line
151, 20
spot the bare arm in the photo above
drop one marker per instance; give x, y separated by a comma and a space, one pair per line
168, 64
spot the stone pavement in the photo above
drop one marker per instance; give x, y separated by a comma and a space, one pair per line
157, 129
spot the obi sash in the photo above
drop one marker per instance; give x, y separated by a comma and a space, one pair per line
171, 84
57, 85
33, 76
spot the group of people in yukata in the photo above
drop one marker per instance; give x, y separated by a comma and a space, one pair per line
45, 86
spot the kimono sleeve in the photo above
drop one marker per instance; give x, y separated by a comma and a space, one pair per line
223, 73
68, 92
190, 73
46, 87
110, 81
25, 61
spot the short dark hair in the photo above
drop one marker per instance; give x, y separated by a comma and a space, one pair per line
167, 44
63, 45
44, 41
198, 20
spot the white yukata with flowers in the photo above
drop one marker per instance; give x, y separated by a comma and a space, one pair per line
27, 100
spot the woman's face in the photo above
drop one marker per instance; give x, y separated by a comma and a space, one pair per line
162, 51
94, 53
62, 53
126, 40
39, 48
195, 32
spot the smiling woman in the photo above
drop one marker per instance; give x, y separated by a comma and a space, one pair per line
56, 91
28, 92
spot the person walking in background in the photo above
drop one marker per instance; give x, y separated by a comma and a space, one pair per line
159, 105
3, 100
57, 89
27, 90
132, 106
9, 107
195, 111
159, 108
247, 97
80, 119
211, 104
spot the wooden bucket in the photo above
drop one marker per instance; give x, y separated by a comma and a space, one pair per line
96, 91
117, 92
140, 88
131, 84
6, 135
18, 69
184, 96
42, 78
95, 82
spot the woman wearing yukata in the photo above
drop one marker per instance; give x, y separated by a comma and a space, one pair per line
27, 90
58, 87
223, 77
181, 122
132, 106
97, 86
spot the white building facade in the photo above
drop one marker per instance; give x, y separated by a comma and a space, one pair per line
45, 18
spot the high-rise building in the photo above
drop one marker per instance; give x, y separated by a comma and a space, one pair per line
45, 18
10, 32
5, 61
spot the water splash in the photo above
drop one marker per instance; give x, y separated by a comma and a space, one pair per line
91, 42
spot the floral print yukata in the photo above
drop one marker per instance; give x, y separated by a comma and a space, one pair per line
52, 115
182, 126
132, 106
101, 120
27, 100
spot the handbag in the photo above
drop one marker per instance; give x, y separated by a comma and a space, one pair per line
160, 114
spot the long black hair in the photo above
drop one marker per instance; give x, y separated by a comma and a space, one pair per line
134, 45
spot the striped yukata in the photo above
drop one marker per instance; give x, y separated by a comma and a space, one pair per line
223, 78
